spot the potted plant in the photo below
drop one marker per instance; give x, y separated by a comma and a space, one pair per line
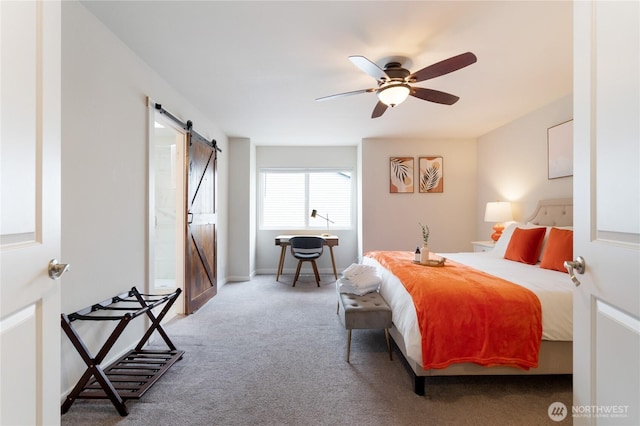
424, 252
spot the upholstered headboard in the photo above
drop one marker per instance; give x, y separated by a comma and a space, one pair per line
556, 212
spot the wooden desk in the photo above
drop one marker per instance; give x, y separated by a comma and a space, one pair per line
283, 242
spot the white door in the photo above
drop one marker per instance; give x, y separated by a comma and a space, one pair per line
30, 212
607, 212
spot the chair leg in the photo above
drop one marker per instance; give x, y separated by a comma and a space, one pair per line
295, 278
348, 344
315, 272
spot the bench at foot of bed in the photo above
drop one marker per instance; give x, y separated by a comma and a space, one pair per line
365, 312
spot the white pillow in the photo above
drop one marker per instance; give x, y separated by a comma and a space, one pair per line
501, 245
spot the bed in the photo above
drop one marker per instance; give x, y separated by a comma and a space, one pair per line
545, 329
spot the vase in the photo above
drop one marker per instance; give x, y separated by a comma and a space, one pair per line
424, 254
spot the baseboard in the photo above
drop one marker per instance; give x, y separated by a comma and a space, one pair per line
292, 271
238, 278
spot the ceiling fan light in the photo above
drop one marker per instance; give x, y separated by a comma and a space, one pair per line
394, 94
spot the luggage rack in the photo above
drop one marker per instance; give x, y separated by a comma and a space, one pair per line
134, 373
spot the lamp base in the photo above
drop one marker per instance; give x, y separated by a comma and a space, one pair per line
497, 231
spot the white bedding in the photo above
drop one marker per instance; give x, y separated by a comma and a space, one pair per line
553, 288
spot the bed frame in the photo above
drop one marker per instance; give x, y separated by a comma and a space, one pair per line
556, 357
556, 212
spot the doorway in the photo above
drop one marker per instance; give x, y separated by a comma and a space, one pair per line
166, 209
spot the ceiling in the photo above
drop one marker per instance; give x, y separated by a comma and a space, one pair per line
256, 68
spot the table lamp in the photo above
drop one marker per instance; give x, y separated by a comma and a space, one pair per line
314, 213
498, 212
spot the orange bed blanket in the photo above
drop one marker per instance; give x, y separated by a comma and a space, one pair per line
466, 315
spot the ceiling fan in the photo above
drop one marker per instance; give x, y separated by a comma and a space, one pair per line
395, 82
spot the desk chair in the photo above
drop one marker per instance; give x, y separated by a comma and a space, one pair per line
306, 249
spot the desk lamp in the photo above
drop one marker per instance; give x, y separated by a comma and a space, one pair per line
314, 213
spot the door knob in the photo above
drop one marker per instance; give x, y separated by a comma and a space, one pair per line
56, 270
578, 266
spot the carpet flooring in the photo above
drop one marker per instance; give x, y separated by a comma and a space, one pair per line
264, 353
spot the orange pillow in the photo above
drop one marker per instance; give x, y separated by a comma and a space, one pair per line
525, 245
559, 248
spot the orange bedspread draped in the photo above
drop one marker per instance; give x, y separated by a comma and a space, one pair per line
466, 315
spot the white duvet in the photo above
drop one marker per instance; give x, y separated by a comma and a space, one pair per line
554, 290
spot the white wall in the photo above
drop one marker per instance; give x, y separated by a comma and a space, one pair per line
512, 164
390, 221
104, 173
267, 253
242, 209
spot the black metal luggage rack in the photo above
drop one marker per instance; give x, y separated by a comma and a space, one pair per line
134, 373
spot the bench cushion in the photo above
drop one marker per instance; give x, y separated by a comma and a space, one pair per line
366, 311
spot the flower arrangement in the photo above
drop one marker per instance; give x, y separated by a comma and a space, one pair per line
425, 232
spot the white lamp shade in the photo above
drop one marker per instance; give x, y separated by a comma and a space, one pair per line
394, 94
499, 211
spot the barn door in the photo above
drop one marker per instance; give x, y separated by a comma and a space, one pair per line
201, 253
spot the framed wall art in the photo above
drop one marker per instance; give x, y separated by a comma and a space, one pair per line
560, 150
400, 175
430, 174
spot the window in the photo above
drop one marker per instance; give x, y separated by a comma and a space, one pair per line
287, 197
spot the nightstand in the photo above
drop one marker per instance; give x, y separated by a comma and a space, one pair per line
479, 246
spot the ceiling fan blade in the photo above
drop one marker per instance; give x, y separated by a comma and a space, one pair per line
444, 67
340, 95
379, 109
369, 67
434, 96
